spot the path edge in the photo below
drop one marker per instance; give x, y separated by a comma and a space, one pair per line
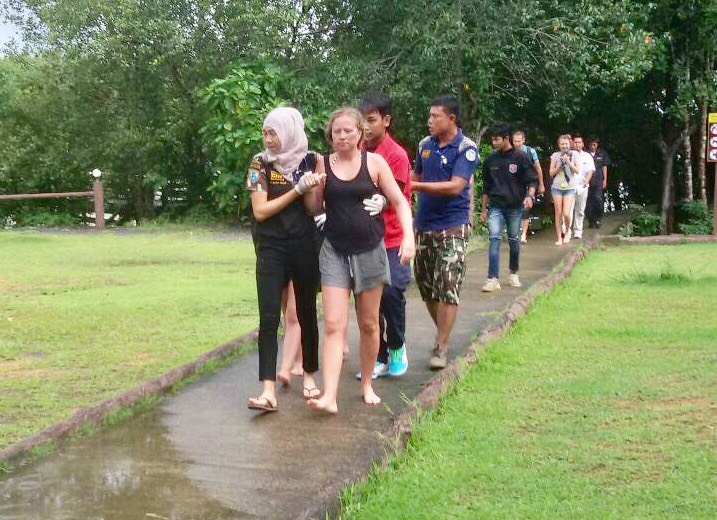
158, 386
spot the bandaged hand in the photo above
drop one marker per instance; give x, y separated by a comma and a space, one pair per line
320, 220
375, 204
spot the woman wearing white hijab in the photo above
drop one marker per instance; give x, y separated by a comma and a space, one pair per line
286, 249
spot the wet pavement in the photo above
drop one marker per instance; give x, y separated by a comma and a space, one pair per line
201, 454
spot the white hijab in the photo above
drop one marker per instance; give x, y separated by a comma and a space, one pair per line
289, 126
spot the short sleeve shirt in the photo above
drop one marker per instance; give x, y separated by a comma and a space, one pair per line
438, 164
557, 180
256, 176
601, 159
397, 160
530, 152
292, 221
585, 160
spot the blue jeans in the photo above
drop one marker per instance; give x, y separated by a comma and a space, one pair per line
497, 218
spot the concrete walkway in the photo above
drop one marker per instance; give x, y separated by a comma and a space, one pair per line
202, 455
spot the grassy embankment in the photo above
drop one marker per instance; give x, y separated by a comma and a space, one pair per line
84, 316
601, 403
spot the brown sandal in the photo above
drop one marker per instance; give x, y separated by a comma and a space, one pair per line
312, 393
262, 404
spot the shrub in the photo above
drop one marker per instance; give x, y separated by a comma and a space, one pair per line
693, 218
644, 224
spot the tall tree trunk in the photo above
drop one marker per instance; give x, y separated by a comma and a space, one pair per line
689, 192
702, 153
669, 151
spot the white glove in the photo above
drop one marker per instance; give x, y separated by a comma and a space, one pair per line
306, 182
320, 220
375, 204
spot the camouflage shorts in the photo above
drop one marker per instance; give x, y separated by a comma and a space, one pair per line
440, 263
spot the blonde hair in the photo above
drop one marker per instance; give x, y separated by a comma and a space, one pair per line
351, 112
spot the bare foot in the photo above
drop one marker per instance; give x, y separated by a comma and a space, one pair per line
559, 243
283, 378
369, 396
297, 370
346, 351
523, 240
566, 240
323, 404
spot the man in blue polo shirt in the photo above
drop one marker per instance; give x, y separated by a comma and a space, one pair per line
445, 163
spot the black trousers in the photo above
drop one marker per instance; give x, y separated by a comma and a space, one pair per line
595, 205
277, 262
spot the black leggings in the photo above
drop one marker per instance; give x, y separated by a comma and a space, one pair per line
277, 262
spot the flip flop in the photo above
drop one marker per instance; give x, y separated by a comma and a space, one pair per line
262, 404
312, 393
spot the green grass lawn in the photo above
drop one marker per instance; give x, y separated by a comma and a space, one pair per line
85, 315
601, 403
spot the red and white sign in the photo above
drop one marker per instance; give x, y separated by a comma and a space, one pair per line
712, 137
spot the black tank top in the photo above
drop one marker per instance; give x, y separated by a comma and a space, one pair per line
293, 221
349, 228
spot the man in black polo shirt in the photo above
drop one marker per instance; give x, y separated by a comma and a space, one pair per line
598, 183
509, 183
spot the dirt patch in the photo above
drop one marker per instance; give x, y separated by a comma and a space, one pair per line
690, 418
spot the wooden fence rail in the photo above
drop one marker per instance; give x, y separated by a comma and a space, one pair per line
97, 194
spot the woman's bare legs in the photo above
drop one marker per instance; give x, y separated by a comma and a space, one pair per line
524, 227
291, 349
367, 305
568, 202
558, 218
336, 313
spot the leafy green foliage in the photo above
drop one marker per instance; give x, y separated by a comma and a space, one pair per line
693, 218
237, 105
644, 224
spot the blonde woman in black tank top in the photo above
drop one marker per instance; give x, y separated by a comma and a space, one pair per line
345, 133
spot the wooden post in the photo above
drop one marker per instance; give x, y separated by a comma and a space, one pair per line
98, 197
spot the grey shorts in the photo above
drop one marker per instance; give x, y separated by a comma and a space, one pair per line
357, 272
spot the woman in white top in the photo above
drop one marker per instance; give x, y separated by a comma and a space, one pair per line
563, 169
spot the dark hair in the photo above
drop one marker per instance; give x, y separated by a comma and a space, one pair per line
499, 129
450, 105
375, 102
593, 139
578, 136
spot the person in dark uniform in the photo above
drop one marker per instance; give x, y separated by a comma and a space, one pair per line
285, 242
509, 184
598, 183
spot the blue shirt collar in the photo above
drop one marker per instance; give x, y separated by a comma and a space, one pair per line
454, 143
